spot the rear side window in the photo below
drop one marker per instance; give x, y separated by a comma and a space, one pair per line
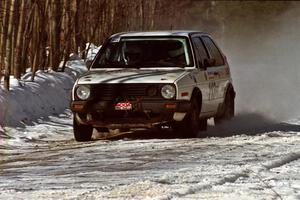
213, 51
201, 53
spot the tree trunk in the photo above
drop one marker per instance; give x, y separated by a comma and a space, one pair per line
4, 36
26, 40
9, 46
16, 17
36, 43
43, 36
20, 35
55, 28
67, 32
77, 28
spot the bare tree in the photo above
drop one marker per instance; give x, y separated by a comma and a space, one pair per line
4, 28
67, 24
26, 40
9, 46
38, 34
55, 36
18, 50
36, 42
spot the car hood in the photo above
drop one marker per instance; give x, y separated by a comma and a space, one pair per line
131, 76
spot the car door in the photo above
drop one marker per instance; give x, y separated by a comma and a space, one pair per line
217, 71
201, 76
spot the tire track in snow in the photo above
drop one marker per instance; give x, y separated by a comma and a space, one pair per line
245, 173
199, 187
283, 161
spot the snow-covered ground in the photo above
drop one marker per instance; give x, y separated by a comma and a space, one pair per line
46, 163
250, 157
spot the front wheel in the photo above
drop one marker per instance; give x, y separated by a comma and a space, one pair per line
82, 133
192, 124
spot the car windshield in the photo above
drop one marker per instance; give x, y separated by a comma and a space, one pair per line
145, 52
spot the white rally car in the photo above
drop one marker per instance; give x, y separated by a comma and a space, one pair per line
177, 79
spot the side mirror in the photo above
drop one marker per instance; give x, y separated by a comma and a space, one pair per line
208, 62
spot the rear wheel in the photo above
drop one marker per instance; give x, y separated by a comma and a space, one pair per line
203, 124
82, 133
227, 112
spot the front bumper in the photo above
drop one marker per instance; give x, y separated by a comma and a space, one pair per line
144, 114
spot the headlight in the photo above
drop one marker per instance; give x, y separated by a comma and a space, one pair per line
168, 91
83, 92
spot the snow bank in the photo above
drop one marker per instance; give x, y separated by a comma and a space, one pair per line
49, 94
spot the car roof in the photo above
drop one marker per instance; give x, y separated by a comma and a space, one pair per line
185, 33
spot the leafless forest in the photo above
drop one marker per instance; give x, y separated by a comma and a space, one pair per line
38, 34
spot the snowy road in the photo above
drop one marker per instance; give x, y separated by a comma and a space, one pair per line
251, 158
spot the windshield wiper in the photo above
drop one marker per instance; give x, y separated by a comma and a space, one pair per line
112, 65
139, 65
161, 64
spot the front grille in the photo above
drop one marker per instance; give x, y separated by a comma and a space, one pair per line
110, 92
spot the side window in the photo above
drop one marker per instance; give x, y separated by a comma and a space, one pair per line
213, 51
200, 51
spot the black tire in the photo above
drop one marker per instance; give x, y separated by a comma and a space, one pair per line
229, 108
192, 124
203, 124
227, 112
82, 133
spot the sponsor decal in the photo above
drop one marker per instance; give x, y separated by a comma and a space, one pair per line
123, 106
